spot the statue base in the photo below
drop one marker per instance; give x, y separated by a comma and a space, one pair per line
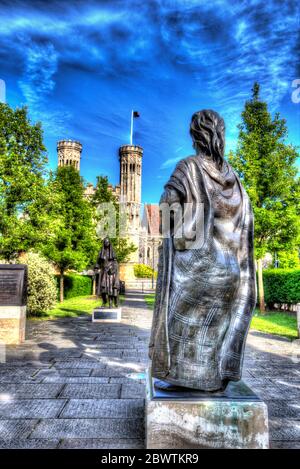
188, 419
12, 324
107, 314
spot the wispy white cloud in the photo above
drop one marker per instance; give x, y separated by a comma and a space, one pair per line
193, 50
38, 83
171, 162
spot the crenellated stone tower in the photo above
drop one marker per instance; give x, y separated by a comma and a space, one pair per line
69, 153
130, 191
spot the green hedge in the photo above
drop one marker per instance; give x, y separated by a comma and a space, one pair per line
143, 271
282, 286
76, 285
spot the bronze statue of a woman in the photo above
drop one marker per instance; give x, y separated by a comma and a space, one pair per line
205, 295
108, 275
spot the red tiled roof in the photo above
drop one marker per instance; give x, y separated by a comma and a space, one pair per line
152, 215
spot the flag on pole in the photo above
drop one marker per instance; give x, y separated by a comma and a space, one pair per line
133, 115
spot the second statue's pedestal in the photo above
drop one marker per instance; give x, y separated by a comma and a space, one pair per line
233, 419
107, 315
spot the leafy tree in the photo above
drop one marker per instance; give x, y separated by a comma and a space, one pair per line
103, 195
288, 259
266, 166
42, 289
73, 242
24, 222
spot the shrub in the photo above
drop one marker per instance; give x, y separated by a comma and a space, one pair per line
144, 271
288, 259
42, 291
76, 285
282, 286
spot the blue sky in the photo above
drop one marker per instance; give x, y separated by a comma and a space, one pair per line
81, 67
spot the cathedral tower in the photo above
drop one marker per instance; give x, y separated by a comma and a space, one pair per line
130, 190
69, 153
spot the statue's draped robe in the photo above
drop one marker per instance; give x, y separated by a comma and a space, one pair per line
108, 279
205, 296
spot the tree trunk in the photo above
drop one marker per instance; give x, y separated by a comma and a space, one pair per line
261, 294
61, 287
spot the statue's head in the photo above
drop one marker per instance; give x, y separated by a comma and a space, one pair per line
208, 133
107, 250
106, 242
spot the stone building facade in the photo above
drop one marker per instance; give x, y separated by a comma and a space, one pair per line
130, 157
69, 153
143, 231
150, 237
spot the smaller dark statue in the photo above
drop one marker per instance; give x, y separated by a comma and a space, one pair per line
107, 275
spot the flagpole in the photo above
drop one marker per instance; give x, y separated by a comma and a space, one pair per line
131, 127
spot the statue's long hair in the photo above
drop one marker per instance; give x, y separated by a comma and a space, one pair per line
111, 253
208, 133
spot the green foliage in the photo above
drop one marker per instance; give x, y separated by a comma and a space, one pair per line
150, 300
282, 286
144, 271
42, 290
103, 195
72, 244
266, 166
277, 323
73, 307
24, 221
288, 259
76, 285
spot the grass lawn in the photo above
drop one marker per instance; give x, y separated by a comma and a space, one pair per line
150, 300
277, 323
273, 322
71, 308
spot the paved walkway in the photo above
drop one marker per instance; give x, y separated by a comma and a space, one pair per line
75, 384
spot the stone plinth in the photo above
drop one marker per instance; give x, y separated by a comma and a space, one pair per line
188, 419
107, 315
12, 324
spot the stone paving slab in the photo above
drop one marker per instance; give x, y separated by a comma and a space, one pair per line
76, 379
103, 408
89, 428
284, 409
119, 443
91, 391
31, 408
290, 383
117, 371
95, 375
30, 390
28, 363
79, 364
16, 428
272, 392
17, 374
29, 444
66, 372
276, 444
136, 379
284, 429
133, 391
